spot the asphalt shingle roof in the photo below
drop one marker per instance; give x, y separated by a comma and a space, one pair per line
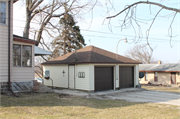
160, 67
91, 54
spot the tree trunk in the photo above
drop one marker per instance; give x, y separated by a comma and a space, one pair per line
28, 20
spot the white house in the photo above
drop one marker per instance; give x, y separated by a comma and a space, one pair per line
92, 69
16, 53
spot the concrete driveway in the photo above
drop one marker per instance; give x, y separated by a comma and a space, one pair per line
131, 95
146, 96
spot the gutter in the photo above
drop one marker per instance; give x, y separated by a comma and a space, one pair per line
9, 48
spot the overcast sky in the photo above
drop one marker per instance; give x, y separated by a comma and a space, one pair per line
99, 34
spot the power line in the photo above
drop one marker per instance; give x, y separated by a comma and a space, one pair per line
121, 35
129, 39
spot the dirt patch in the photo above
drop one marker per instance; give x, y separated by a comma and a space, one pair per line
65, 96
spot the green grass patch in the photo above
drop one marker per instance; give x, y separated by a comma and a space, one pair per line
161, 88
50, 105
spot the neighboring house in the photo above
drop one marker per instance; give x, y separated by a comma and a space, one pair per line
16, 53
165, 74
92, 69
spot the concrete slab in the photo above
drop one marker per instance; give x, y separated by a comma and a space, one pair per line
72, 92
83, 93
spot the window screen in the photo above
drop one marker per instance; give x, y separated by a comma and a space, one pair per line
47, 73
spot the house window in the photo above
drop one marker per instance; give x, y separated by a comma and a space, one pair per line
17, 55
146, 77
155, 77
2, 12
22, 56
27, 56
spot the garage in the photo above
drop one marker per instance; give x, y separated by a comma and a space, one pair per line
126, 77
103, 78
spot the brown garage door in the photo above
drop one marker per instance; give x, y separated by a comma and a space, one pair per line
103, 78
126, 77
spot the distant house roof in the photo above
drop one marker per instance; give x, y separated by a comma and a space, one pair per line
91, 54
39, 51
169, 67
23, 39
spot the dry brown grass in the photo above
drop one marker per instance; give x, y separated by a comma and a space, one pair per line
51, 105
161, 88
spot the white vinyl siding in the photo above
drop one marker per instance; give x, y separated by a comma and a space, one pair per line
83, 83
4, 46
23, 73
56, 75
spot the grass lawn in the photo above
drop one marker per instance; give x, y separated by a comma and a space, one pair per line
51, 105
161, 88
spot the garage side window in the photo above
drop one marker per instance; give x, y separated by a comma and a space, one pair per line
47, 73
2, 12
27, 56
17, 55
155, 77
81, 74
146, 77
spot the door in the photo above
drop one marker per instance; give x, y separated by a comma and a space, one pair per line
103, 78
173, 77
71, 77
126, 77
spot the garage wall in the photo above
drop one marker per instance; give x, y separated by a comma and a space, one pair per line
136, 75
57, 75
84, 83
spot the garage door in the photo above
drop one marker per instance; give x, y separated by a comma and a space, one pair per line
126, 77
103, 78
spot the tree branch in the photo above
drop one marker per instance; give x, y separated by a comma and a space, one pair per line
145, 2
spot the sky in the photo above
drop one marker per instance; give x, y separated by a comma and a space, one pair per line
100, 35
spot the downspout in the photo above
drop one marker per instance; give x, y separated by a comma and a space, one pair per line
9, 45
9, 48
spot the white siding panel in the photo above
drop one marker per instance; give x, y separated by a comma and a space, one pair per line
82, 83
57, 76
4, 46
91, 77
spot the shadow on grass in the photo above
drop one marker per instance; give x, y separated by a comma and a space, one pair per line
53, 99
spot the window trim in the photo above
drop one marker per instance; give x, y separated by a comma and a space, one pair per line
6, 18
22, 55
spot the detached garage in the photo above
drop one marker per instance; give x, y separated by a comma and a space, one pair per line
92, 69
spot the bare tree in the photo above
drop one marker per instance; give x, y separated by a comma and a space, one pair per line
131, 19
141, 53
48, 15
